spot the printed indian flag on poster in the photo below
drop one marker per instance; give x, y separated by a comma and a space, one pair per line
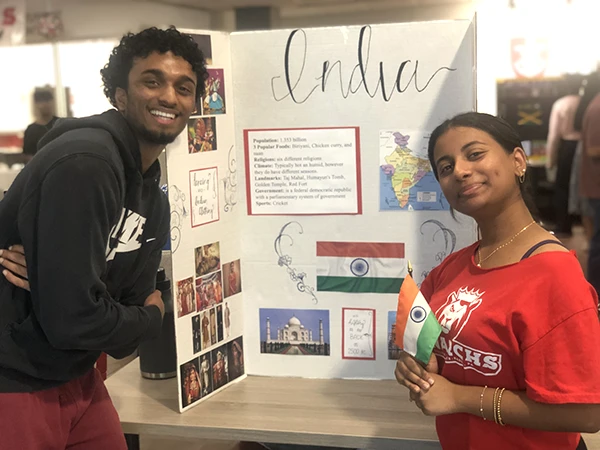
417, 329
360, 267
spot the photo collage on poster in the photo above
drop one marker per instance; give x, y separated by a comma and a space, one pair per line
202, 128
213, 355
211, 371
204, 297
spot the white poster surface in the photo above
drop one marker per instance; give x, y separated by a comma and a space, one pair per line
396, 92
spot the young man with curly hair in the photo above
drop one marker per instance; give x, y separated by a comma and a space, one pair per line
89, 213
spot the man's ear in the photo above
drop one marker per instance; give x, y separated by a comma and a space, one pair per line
121, 99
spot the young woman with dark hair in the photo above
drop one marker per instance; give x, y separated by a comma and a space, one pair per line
515, 364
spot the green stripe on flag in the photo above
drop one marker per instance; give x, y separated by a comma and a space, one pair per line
427, 338
362, 285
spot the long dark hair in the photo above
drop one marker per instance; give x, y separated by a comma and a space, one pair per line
499, 129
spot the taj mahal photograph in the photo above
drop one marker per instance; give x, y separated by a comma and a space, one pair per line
294, 331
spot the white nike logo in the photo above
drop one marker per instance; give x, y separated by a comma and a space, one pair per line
150, 240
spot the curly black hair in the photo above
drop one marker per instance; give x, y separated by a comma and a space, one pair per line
115, 74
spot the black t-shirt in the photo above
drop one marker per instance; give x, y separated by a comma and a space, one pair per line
33, 134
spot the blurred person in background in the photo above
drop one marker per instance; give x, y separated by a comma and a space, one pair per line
589, 187
45, 119
560, 149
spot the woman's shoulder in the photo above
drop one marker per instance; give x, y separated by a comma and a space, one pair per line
545, 254
544, 242
557, 281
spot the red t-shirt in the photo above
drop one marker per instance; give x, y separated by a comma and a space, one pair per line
531, 326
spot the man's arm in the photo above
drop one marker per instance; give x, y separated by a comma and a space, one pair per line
146, 282
13, 260
141, 289
66, 254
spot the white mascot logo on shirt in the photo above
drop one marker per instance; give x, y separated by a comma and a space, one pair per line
458, 309
453, 316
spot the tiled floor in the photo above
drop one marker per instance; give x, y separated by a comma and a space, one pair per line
577, 242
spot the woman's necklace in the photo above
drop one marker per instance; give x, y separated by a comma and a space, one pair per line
499, 247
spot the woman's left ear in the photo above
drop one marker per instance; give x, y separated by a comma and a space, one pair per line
520, 161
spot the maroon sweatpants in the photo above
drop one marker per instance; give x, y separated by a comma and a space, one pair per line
76, 416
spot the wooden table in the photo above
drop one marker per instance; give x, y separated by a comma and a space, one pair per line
342, 413
6, 179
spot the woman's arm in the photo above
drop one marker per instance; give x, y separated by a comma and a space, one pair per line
516, 408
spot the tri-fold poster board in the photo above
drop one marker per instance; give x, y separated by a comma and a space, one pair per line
299, 192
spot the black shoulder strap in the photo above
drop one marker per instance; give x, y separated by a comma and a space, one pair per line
539, 244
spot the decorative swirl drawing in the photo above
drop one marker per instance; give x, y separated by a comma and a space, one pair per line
230, 182
178, 213
286, 260
449, 241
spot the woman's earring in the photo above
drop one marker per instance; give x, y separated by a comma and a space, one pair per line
522, 177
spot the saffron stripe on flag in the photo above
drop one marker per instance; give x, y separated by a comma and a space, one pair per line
364, 249
371, 267
361, 285
408, 293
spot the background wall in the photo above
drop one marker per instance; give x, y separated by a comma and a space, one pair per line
91, 30
376, 12
102, 19
499, 22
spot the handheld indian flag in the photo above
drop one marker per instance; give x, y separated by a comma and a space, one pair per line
374, 267
417, 329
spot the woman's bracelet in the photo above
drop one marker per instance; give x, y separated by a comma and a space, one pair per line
494, 404
481, 403
499, 407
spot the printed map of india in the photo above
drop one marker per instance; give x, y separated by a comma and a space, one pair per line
406, 179
408, 170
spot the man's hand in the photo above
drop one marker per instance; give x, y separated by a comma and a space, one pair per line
156, 299
13, 260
